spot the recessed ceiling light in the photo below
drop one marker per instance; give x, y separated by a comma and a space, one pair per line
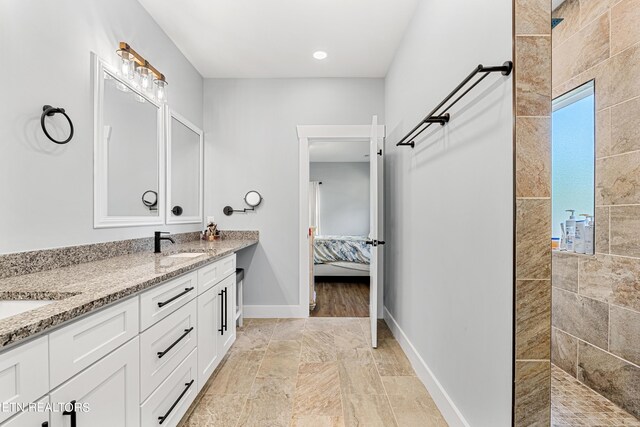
320, 55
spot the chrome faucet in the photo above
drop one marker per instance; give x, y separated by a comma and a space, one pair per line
159, 238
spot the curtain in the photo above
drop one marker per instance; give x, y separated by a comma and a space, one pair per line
314, 206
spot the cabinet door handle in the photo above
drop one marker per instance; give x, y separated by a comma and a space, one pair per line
186, 291
71, 413
186, 332
221, 330
225, 308
164, 417
45, 424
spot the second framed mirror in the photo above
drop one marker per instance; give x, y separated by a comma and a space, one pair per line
185, 147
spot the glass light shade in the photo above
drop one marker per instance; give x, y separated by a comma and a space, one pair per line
161, 90
145, 78
127, 64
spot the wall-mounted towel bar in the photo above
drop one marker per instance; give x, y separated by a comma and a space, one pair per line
440, 113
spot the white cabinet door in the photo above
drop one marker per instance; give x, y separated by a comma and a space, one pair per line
208, 325
227, 306
109, 390
31, 418
24, 374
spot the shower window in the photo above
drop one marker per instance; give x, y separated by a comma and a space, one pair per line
573, 169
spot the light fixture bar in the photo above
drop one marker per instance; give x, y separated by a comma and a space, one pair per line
139, 59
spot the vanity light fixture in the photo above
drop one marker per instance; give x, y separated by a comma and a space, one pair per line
145, 76
320, 55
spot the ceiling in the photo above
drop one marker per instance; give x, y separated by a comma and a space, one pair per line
339, 151
276, 38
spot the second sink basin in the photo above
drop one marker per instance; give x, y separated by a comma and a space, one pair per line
10, 308
186, 255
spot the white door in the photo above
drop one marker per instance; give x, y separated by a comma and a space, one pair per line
226, 331
109, 389
208, 321
375, 232
31, 418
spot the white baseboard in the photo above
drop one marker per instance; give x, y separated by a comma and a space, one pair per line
275, 311
448, 409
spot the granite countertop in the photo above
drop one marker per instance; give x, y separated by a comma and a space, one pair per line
82, 288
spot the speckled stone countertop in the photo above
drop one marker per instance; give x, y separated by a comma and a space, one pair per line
82, 288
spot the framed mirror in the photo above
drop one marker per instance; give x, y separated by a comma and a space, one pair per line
128, 152
185, 144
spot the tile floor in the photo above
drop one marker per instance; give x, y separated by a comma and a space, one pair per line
574, 404
318, 372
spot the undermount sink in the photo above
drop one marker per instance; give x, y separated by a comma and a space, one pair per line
10, 308
186, 255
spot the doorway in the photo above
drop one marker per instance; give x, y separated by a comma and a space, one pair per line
341, 216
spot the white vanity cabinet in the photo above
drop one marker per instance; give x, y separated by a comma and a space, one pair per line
141, 361
110, 390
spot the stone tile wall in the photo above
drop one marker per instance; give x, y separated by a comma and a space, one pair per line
596, 300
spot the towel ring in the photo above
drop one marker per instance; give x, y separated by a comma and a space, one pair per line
48, 110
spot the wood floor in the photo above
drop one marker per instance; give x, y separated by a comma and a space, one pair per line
310, 373
342, 297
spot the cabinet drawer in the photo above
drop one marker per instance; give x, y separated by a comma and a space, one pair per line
173, 397
31, 418
210, 275
165, 345
24, 373
159, 302
87, 340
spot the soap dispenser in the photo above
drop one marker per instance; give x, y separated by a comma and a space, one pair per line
588, 234
570, 230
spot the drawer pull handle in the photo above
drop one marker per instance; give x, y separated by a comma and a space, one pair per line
226, 303
187, 385
71, 413
186, 291
186, 332
45, 424
221, 330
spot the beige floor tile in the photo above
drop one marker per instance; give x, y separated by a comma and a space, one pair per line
318, 346
335, 324
359, 377
269, 403
255, 335
220, 410
289, 329
390, 359
367, 410
318, 390
317, 421
281, 360
417, 411
237, 373
411, 403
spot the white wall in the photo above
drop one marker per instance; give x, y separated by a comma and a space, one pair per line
344, 197
449, 207
46, 190
251, 143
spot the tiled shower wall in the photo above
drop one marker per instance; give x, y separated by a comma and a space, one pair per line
532, 392
596, 299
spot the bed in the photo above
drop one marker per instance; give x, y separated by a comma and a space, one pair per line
341, 256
